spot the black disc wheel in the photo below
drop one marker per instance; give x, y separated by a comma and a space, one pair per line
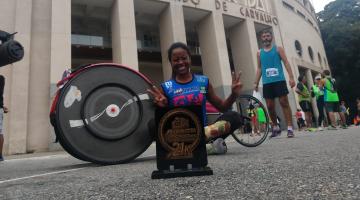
256, 124
103, 114
107, 116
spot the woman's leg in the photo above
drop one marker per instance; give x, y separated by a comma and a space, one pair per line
224, 126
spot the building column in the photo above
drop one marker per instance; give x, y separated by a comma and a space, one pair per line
214, 53
244, 47
60, 39
172, 29
310, 83
124, 44
60, 51
39, 95
19, 82
292, 96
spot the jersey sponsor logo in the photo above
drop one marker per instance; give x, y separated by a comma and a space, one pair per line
168, 84
201, 79
203, 90
191, 90
178, 91
187, 90
186, 100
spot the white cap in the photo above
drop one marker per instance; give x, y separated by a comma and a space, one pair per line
318, 77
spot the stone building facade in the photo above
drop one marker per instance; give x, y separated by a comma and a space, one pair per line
223, 36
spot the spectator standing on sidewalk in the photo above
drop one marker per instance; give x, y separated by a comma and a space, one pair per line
345, 111
299, 119
305, 100
261, 118
331, 97
3, 110
318, 92
357, 115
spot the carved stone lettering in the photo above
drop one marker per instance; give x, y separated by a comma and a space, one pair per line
217, 4
252, 3
195, 2
225, 6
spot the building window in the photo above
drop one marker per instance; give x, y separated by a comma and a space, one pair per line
320, 60
325, 63
298, 48
310, 22
311, 54
150, 40
288, 6
87, 40
317, 30
301, 14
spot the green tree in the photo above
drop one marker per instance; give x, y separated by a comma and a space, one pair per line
340, 28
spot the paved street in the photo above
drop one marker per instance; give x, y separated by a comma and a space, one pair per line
321, 165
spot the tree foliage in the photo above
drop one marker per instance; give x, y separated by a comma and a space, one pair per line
340, 28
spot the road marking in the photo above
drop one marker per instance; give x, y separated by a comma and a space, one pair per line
51, 173
38, 158
56, 156
148, 156
40, 175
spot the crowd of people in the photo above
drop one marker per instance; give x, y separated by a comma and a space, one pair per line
329, 106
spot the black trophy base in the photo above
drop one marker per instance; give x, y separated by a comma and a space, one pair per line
162, 174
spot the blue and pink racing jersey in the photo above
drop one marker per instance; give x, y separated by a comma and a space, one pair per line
187, 94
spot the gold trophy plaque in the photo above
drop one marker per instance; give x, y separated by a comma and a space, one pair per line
180, 143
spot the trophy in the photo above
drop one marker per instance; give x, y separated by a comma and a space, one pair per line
180, 143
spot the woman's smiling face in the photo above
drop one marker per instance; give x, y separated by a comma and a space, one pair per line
180, 61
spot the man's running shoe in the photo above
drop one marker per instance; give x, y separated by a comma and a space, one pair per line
275, 132
216, 147
320, 128
1, 158
332, 128
290, 134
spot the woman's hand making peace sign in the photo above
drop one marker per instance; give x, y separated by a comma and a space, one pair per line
159, 98
236, 84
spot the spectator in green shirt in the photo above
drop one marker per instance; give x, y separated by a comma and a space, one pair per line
305, 100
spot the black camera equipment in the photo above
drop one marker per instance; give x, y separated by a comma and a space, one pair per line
10, 50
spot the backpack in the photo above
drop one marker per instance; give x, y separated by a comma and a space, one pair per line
333, 84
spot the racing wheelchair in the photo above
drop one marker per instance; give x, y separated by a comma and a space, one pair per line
103, 114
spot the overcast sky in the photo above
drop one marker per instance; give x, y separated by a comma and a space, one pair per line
320, 4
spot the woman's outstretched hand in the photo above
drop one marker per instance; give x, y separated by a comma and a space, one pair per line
159, 98
236, 84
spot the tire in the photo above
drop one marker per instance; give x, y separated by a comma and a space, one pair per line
245, 135
112, 114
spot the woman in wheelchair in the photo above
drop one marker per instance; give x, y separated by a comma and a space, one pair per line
185, 89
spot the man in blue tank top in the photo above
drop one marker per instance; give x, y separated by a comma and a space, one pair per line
274, 84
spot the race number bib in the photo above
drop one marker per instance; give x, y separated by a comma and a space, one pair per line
271, 72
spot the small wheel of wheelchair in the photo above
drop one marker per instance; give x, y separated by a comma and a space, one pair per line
256, 123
